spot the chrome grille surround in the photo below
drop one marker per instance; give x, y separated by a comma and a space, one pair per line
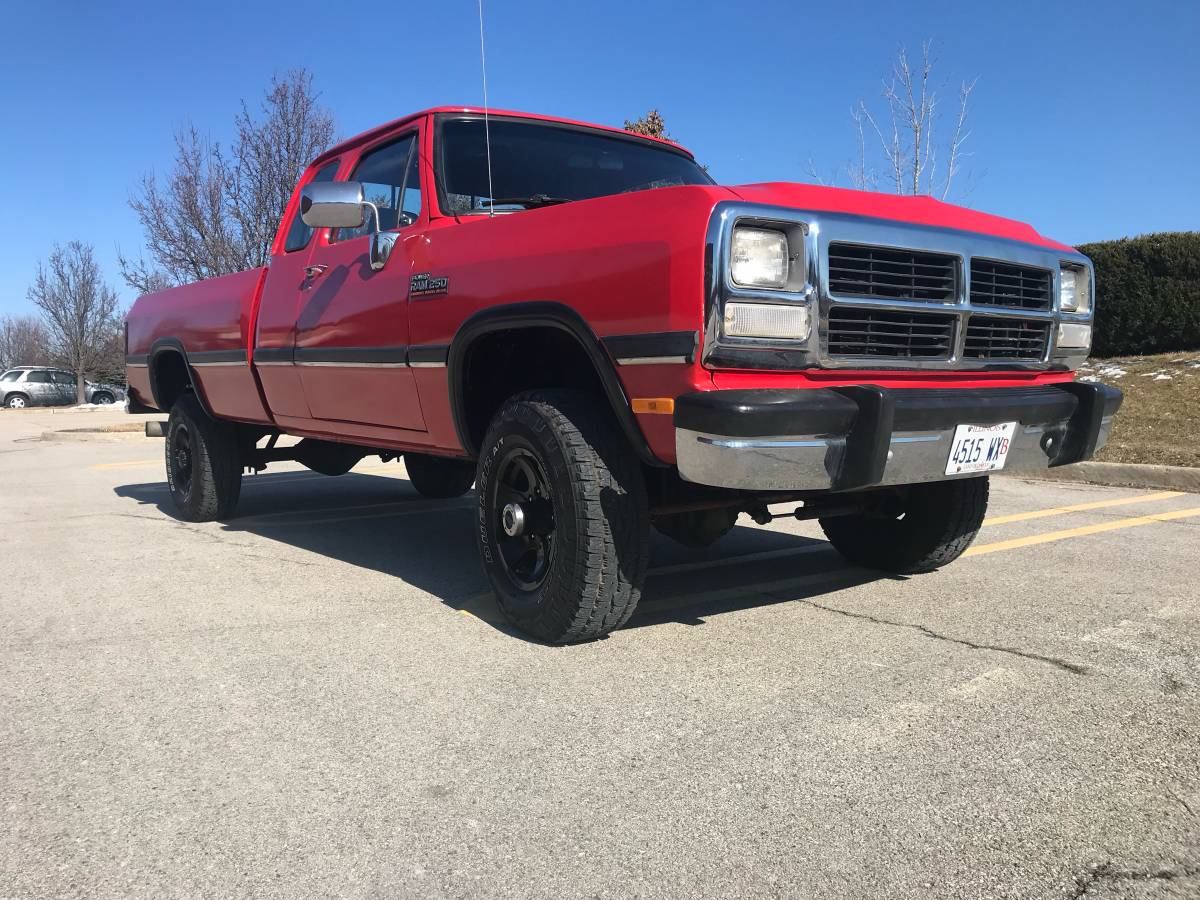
810, 235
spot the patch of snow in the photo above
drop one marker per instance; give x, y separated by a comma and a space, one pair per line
1161, 377
1088, 378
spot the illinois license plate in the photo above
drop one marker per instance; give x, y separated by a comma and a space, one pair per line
979, 448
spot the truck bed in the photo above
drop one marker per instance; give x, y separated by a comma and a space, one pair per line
212, 322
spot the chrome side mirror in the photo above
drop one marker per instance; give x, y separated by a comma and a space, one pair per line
333, 204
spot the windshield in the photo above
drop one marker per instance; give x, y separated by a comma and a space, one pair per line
536, 164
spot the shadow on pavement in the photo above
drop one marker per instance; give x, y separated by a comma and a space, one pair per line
382, 524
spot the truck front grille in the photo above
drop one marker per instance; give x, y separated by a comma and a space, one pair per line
1007, 284
993, 337
890, 274
856, 331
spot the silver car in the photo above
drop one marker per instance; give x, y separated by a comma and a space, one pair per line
42, 386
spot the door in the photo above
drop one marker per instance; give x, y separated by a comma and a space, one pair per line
40, 388
275, 325
65, 388
352, 329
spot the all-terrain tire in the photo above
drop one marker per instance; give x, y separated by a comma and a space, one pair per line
933, 525
204, 467
583, 577
438, 477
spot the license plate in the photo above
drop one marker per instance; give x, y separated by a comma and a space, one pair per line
979, 448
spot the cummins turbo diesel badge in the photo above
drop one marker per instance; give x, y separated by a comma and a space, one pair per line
425, 285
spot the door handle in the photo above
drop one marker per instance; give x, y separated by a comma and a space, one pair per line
315, 271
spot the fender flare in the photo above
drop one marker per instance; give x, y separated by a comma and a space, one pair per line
174, 345
540, 314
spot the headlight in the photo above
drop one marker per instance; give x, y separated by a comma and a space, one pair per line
759, 258
1074, 292
765, 320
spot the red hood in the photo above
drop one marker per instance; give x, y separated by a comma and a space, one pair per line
917, 210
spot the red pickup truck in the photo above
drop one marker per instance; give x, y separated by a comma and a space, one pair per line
581, 323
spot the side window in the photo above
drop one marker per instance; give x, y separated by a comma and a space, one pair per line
300, 234
64, 378
38, 378
11, 376
389, 179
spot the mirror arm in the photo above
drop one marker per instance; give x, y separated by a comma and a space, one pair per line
375, 211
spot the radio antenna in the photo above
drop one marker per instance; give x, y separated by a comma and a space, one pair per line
487, 132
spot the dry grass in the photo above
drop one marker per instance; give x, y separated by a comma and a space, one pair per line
1159, 422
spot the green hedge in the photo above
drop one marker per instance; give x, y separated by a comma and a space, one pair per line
1148, 293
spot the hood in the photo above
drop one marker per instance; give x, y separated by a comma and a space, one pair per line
919, 210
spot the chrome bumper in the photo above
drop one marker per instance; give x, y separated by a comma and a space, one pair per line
862, 436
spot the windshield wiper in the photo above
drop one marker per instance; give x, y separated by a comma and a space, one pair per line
531, 202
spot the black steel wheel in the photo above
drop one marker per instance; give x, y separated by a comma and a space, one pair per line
204, 469
563, 523
525, 537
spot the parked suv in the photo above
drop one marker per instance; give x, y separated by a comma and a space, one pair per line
42, 386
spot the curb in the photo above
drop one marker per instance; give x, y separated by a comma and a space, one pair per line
1171, 478
123, 432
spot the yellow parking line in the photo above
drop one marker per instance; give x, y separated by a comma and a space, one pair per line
1079, 507
130, 464
1082, 531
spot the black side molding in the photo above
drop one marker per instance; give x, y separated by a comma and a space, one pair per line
652, 347
363, 356
428, 355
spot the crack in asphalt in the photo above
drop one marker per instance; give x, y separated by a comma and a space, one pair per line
1062, 664
1107, 872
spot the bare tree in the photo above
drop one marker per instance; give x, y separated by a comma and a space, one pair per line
80, 311
218, 211
24, 341
910, 153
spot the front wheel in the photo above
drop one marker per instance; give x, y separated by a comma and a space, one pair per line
204, 469
562, 518
927, 527
103, 398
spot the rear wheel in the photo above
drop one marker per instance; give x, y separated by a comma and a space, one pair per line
103, 398
563, 524
16, 401
204, 470
438, 477
927, 527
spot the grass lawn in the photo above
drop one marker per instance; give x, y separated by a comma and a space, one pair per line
1159, 422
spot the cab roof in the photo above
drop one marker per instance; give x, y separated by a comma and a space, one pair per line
381, 130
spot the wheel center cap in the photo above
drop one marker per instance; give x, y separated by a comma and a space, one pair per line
512, 518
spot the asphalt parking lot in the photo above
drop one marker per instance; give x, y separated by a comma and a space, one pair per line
318, 699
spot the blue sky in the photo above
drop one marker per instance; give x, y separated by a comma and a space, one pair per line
1086, 121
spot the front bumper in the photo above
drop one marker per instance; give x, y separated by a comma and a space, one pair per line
858, 436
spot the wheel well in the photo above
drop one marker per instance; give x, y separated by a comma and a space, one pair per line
169, 378
502, 363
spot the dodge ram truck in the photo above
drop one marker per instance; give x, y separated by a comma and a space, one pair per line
580, 323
